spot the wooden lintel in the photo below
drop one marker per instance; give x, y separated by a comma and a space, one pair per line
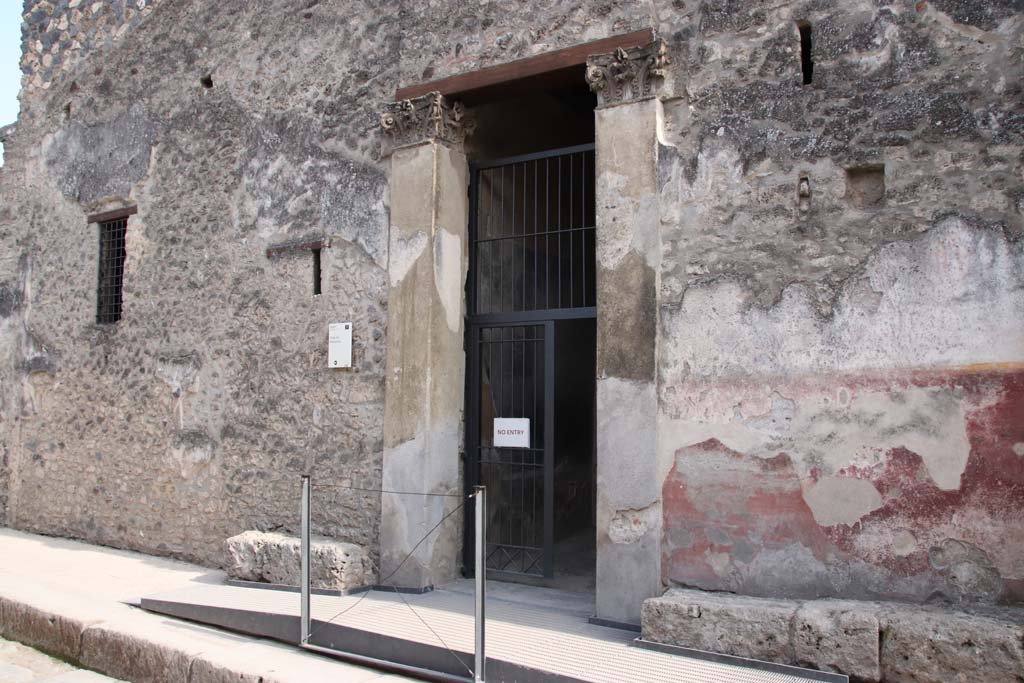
528, 67
112, 215
296, 246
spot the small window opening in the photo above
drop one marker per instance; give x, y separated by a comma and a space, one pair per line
316, 273
865, 186
67, 111
111, 270
806, 62
206, 81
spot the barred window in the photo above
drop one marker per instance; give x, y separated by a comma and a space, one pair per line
111, 271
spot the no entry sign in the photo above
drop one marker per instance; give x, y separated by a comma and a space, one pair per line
512, 432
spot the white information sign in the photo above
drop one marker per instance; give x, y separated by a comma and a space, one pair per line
339, 345
511, 432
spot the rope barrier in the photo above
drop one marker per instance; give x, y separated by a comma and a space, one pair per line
384, 582
399, 493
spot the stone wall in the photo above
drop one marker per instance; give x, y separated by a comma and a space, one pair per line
841, 347
191, 419
58, 34
838, 275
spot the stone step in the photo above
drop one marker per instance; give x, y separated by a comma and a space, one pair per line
869, 641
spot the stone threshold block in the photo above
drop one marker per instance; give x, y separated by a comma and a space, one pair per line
272, 557
872, 642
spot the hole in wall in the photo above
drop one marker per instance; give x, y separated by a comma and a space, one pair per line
865, 186
206, 81
67, 111
803, 192
806, 60
317, 278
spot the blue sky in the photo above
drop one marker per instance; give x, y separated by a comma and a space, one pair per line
10, 55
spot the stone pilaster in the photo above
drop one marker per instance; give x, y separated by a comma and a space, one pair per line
427, 263
629, 74
430, 118
629, 521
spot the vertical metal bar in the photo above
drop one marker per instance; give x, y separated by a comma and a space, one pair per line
480, 583
559, 229
304, 619
522, 247
534, 345
512, 244
536, 229
547, 231
490, 231
549, 448
474, 260
501, 233
583, 232
522, 413
499, 456
474, 411
572, 225
506, 480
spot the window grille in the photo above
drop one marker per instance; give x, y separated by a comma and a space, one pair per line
111, 271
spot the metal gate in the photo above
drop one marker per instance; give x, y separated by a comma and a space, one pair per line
531, 263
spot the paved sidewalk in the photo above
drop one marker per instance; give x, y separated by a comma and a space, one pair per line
73, 599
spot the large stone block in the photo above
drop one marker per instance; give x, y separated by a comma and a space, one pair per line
728, 624
932, 645
42, 629
869, 641
276, 558
840, 636
137, 657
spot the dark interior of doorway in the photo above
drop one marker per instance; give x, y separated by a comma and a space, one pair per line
575, 463
528, 122
533, 122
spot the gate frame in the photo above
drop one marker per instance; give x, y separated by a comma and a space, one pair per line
474, 322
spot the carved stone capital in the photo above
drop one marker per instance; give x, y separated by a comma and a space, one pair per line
430, 117
628, 75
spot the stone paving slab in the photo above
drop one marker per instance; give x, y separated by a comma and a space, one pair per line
79, 676
22, 664
74, 600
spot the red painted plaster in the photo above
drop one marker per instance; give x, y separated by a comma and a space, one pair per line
719, 503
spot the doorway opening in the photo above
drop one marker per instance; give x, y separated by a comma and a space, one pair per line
531, 336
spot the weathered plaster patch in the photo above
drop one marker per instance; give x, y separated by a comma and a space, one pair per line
928, 421
424, 463
841, 500
774, 420
627, 467
403, 252
904, 543
192, 452
628, 526
626, 223
930, 297
448, 276
616, 234
104, 159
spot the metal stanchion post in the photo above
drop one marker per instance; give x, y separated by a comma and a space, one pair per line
480, 576
304, 580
